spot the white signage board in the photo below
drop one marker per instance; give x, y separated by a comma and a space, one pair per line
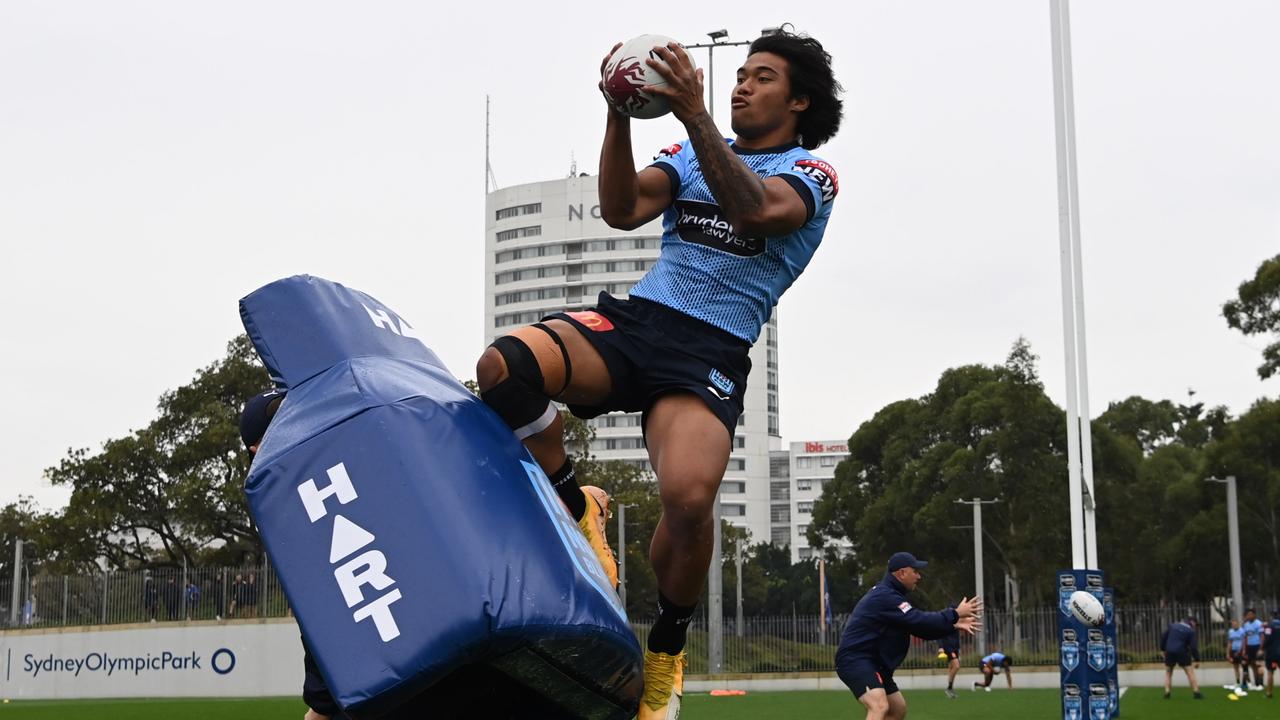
250, 659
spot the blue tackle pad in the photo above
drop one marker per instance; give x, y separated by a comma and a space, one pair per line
424, 553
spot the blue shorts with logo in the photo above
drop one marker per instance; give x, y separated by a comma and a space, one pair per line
652, 350
863, 674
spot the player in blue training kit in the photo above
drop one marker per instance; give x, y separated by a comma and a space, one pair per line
878, 634
1252, 647
990, 666
1235, 653
741, 220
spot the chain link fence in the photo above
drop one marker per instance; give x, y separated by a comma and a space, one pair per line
763, 644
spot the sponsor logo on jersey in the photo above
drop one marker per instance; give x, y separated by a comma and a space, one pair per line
905, 607
669, 151
821, 173
703, 224
592, 320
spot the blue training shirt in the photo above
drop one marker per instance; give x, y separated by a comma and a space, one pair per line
1252, 632
996, 659
1236, 638
1272, 642
709, 272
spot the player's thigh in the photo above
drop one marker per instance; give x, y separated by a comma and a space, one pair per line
897, 706
688, 448
588, 377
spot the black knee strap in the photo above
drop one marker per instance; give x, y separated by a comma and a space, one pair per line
564, 355
520, 399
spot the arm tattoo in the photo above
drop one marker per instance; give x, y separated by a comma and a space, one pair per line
736, 187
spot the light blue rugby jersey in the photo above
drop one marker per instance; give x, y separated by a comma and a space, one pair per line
707, 271
1236, 637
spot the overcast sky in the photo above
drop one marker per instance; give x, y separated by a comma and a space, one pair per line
159, 160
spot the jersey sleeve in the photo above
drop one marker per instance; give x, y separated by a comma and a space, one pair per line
924, 625
814, 180
674, 161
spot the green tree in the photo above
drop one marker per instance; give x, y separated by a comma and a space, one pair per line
1249, 450
172, 491
1256, 311
984, 431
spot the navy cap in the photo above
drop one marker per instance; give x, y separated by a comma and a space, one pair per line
256, 416
905, 559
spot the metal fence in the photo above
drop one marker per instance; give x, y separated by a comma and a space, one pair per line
134, 596
796, 643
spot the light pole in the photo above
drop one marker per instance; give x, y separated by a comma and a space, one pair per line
1233, 536
622, 553
738, 566
17, 582
980, 640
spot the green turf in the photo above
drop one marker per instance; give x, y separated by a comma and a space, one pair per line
1138, 704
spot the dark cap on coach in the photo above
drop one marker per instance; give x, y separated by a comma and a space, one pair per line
905, 559
257, 415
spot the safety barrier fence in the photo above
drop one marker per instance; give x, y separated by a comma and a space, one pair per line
762, 644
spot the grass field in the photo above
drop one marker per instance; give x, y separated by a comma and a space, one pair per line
1138, 704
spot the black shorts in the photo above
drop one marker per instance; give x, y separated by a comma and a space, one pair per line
1251, 653
1237, 657
652, 350
951, 654
863, 675
1273, 662
1181, 659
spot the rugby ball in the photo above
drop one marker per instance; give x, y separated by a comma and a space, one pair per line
1087, 608
626, 72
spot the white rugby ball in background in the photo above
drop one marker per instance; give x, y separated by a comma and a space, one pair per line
626, 72
1086, 608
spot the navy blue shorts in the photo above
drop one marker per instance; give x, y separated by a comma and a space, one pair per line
951, 654
1181, 659
652, 350
863, 675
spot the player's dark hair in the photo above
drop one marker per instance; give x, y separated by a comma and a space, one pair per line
810, 75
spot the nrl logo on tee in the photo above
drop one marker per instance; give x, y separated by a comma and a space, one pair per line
721, 381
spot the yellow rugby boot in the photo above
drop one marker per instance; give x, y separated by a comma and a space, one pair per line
663, 685
592, 525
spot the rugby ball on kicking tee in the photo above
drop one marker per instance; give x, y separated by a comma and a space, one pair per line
1086, 608
626, 72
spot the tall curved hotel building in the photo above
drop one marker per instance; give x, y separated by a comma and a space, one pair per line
547, 250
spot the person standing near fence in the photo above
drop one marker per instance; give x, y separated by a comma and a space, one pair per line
150, 596
1235, 653
1253, 647
250, 593
949, 646
172, 596
1271, 644
1182, 649
878, 634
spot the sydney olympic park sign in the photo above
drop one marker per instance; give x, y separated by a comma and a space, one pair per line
197, 660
